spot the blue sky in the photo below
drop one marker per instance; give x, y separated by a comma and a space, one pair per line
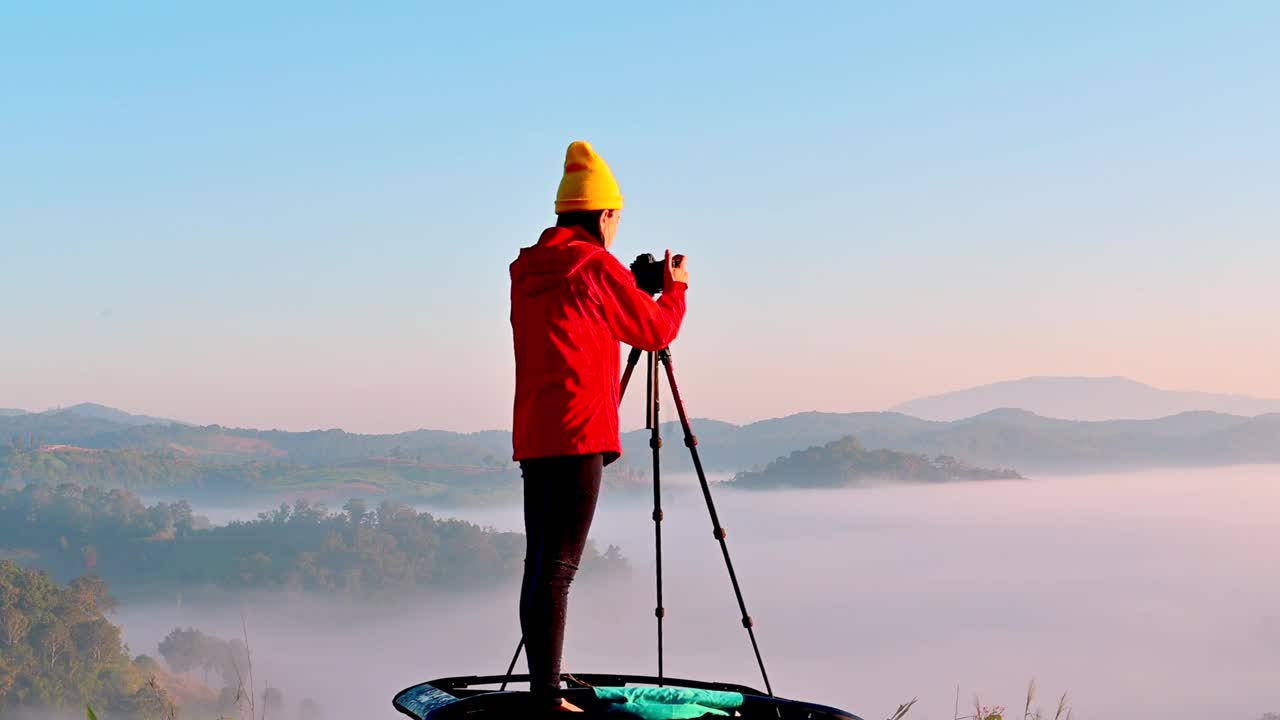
301, 215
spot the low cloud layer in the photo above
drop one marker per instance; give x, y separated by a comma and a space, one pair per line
1142, 595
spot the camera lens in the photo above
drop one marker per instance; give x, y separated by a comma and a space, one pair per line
649, 273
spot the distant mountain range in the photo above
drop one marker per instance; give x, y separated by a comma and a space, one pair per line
112, 448
227, 465
1082, 398
1000, 438
97, 412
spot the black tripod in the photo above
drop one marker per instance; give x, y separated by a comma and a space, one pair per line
655, 443
691, 441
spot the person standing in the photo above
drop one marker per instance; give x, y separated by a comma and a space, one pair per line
572, 305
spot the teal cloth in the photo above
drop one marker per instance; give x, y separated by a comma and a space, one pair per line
668, 703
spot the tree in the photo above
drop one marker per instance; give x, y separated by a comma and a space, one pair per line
57, 646
188, 649
52, 640
356, 510
90, 591
96, 638
14, 625
147, 665
183, 649
8, 676
152, 702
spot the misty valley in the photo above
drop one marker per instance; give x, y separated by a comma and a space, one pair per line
153, 568
345, 351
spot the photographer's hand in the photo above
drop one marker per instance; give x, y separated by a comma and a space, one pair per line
633, 316
677, 270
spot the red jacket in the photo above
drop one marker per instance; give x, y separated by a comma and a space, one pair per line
572, 304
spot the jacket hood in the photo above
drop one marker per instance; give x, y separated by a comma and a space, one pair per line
558, 254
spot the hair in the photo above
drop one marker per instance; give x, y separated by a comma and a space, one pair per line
586, 220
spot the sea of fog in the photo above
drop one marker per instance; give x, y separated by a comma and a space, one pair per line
1142, 595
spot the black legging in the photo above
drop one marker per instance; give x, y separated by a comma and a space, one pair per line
559, 501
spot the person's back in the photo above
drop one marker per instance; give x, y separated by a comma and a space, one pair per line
572, 305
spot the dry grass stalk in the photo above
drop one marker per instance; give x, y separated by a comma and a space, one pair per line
1062, 707
902, 710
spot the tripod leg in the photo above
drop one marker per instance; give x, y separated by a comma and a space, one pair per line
512, 667
633, 357
655, 443
691, 441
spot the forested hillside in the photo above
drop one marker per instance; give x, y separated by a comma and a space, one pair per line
60, 650
846, 463
362, 550
226, 465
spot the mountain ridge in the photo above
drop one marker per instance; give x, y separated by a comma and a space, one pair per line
1002, 437
1082, 398
70, 445
96, 411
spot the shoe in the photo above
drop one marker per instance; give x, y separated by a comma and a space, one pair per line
566, 706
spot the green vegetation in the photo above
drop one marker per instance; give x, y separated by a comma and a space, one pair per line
443, 469
224, 466
846, 463
131, 468
361, 550
170, 472
216, 444
188, 649
59, 650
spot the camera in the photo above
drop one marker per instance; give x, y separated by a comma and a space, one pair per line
650, 272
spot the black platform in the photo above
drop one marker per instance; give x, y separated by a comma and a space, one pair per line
466, 696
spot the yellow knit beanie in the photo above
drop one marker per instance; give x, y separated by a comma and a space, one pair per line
588, 183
